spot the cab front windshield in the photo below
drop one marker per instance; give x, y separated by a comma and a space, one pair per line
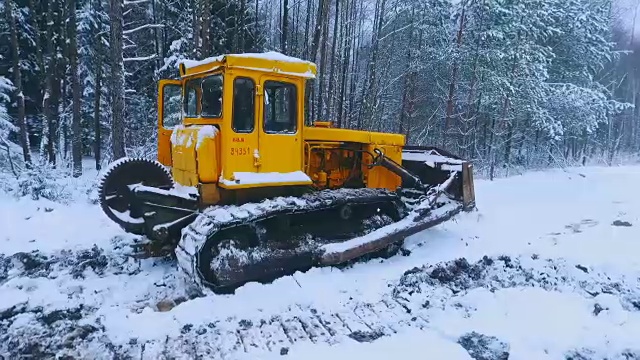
203, 97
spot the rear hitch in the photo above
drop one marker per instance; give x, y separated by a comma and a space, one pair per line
165, 212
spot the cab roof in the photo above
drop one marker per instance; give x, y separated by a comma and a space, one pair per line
268, 62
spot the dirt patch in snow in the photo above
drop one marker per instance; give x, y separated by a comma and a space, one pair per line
506, 272
366, 336
39, 334
36, 264
52, 301
588, 354
621, 223
483, 347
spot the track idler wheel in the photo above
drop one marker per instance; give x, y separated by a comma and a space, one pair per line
116, 198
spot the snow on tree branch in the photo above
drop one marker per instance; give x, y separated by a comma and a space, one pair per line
142, 27
135, 2
142, 58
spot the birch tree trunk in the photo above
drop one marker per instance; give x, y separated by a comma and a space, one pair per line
242, 26
98, 98
204, 9
344, 63
195, 6
285, 26
117, 80
96, 116
451, 97
50, 98
76, 142
334, 54
369, 92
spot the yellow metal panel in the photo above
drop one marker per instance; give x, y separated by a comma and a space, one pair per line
312, 133
247, 61
193, 164
184, 168
205, 67
202, 121
208, 153
380, 177
324, 124
387, 138
301, 69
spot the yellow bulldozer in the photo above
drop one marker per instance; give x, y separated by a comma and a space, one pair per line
247, 189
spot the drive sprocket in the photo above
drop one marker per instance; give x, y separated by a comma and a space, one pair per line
115, 195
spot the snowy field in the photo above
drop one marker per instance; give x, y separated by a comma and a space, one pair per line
548, 267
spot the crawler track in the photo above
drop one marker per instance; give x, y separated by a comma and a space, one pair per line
228, 246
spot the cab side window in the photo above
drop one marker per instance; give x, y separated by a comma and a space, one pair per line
192, 98
243, 105
212, 96
309, 95
280, 107
171, 109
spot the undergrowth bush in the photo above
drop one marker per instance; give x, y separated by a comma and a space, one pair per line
43, 181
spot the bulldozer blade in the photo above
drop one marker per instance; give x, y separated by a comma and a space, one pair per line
431, 165
420, 219
446, 172
338, 253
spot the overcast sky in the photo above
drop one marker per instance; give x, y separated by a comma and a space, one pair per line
627, 9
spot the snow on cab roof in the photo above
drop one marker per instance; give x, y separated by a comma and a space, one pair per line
270, 60
269, 55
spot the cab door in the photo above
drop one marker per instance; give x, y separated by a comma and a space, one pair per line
243, 142
169, 116
280, 134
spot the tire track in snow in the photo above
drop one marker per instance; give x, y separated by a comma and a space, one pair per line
405, 305
417, 290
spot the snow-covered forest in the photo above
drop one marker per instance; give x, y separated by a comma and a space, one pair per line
508, 84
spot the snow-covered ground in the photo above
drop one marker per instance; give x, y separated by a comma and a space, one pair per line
546, 268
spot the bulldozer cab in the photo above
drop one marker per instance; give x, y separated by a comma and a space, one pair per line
235, 120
